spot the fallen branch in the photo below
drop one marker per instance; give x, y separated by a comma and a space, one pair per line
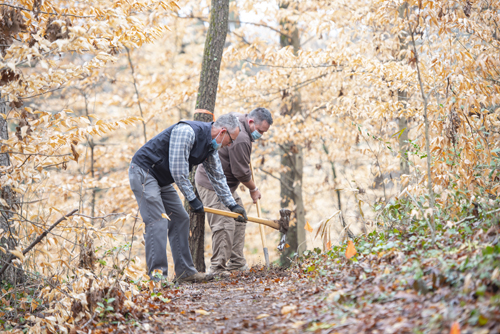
37, 240
106, 216
472, 217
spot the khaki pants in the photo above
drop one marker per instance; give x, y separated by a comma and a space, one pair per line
228, 235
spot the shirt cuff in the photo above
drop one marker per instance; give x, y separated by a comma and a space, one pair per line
231, 204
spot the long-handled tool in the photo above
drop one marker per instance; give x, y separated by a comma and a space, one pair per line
261, 228
281, 224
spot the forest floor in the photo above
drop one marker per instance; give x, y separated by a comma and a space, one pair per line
396, 284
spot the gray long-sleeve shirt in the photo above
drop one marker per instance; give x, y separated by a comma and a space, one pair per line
181, 142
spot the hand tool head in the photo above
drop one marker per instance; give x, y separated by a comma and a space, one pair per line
282, 243
284, 223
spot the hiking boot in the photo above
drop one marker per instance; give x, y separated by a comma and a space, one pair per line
221, 273
242, 268
198, 277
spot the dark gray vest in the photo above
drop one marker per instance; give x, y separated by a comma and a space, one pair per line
153, 156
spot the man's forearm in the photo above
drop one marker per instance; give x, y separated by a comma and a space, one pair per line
250, 184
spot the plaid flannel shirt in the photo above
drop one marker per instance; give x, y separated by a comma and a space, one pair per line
181, 142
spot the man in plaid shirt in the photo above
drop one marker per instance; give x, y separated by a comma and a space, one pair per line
168, 158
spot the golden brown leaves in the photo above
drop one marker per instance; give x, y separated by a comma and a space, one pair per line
350, 251
18, 253
288, 309
75, 153
455, 328
308, 227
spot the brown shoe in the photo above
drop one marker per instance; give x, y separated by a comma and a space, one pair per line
242, 268
198, 277
221, 273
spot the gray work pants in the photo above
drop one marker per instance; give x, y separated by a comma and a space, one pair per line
228, 235
154, 200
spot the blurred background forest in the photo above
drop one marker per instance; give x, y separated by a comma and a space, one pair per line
390, 109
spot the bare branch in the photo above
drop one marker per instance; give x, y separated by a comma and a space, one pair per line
137, 92
41, 154
37, 240
205, 19
41, 12
427, 137
280, 66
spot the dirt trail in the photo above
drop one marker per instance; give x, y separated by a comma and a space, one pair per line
248, 302
372, 295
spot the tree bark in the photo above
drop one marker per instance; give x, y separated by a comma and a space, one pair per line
12, 275
403, 136
90, 141
207, 95
334, 172
212, 55
292, 160
403, 98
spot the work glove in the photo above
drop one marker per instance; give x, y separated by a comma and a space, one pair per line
238, 209
196, 205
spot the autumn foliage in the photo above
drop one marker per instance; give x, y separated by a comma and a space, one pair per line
350, 251
393, 107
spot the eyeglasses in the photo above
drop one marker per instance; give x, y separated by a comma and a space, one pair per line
231, 139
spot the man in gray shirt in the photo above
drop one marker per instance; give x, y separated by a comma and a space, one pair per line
168, 158
228, 235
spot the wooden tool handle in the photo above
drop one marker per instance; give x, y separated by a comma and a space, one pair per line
267, 222
259, 213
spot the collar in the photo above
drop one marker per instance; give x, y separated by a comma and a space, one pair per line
244, 120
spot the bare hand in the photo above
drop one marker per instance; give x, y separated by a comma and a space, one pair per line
255, 195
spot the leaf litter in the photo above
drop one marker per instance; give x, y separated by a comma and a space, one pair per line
396, 283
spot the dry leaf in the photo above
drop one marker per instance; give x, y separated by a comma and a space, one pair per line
261, 316
288, 308
202, 312
335, 296
495, 274
350, 251
308, 227
164, 215
298, 324
467, 283
455, 328
128, 304
4, 203
75, 153
18, 254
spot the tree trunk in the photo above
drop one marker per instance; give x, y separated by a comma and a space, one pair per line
207, 94
11, 275
334, 172
292, 161
91, 144
212, 55
403, 98
403, 136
